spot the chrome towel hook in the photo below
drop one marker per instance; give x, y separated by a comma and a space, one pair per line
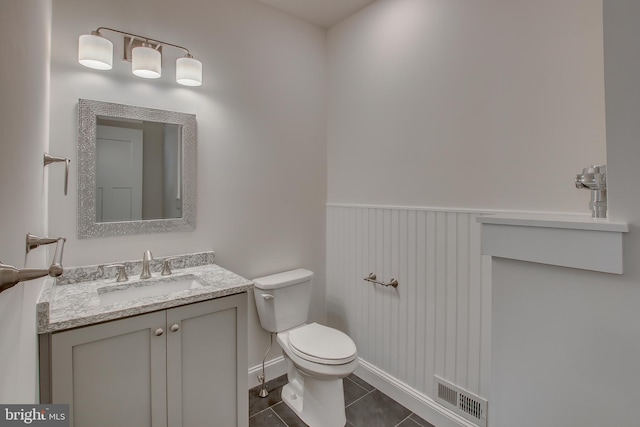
48, 159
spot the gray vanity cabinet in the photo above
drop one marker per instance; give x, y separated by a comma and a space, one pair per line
180, 367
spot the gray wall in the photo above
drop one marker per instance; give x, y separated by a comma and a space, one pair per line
260, 118
497, 105
24, 119
566, 342
492, 104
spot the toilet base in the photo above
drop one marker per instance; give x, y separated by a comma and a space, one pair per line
318, 402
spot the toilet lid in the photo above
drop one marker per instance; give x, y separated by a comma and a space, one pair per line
321, 344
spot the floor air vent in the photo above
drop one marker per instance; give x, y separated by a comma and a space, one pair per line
470, 406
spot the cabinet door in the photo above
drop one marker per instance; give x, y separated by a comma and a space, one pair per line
207, 364
112, 374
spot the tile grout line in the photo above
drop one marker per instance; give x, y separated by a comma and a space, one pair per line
367, 391
358, 385
283, 421
360, 398
258, 413
420, 423
407, 418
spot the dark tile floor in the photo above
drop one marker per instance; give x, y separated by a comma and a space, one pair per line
365, 407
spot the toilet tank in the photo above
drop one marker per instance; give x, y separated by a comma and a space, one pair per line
283, 299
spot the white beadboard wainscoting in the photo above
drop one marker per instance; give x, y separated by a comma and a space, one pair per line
436, 322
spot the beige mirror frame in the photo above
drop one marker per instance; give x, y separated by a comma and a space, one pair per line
88, 112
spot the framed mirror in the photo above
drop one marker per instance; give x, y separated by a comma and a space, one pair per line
136, 170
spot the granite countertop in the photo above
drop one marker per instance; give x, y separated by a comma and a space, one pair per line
74, 300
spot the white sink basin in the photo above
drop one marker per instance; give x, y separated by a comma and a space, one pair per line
114, 294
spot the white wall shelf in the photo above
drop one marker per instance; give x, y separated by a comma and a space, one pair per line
563, 240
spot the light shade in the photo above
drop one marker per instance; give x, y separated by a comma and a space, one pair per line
146, 62
189, 71
94, 51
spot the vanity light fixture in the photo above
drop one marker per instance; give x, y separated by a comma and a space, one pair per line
145, 54
146, 62
95, 51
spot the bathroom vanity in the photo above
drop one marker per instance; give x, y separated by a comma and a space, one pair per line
166, 351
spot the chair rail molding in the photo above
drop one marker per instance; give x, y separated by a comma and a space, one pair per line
573, 241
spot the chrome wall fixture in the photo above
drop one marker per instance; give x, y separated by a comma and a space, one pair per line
48, 159
34, 241
373, 279
594, 178
145, 54
10, 275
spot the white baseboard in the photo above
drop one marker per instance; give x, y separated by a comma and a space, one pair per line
417, 402
272, 368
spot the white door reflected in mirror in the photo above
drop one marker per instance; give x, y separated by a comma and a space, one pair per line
118, 174
138, 170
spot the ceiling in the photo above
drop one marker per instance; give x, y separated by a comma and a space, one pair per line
324, 13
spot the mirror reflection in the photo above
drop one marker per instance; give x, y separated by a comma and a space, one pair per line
138, 170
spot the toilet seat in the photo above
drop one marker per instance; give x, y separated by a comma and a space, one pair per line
321, 344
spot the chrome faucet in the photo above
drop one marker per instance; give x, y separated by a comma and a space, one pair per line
594, 178
146, 258
10, 275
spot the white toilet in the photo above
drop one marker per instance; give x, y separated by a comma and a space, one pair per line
317, 357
